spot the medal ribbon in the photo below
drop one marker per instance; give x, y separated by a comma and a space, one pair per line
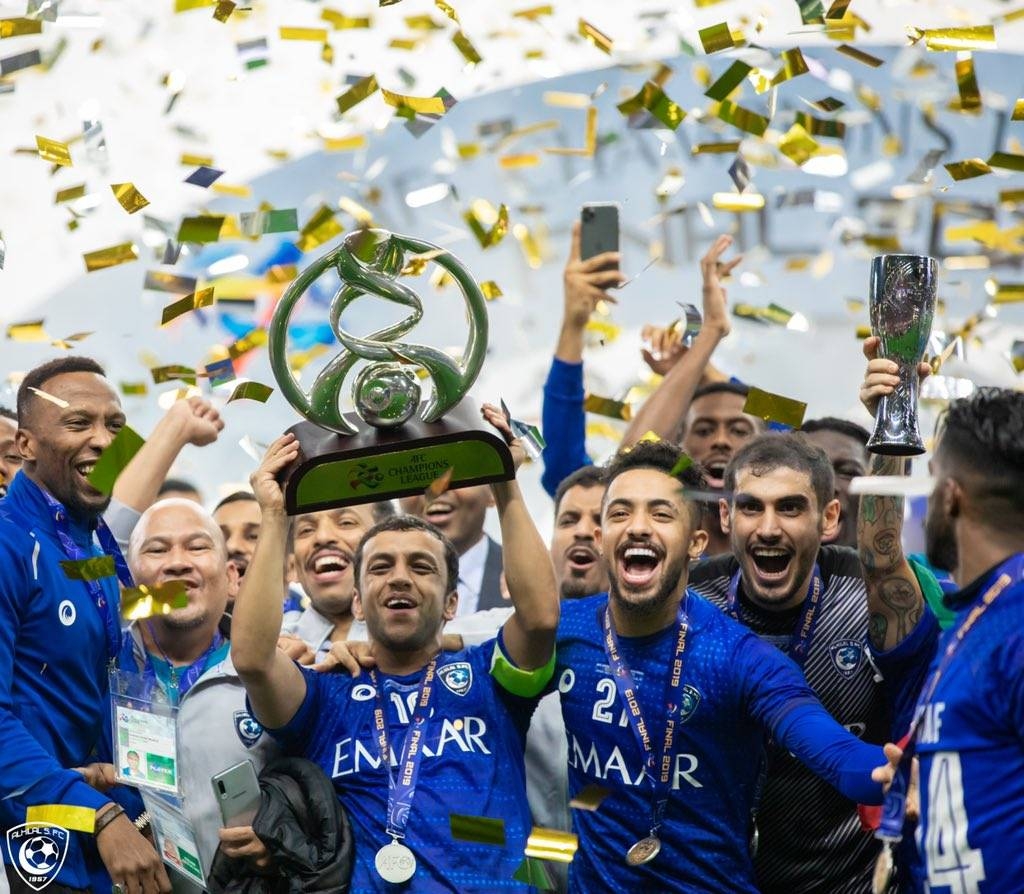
402, 789
803, 633
891, 827
658, 768
108, 614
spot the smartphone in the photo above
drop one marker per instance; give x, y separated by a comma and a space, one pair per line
237, 791
599, 230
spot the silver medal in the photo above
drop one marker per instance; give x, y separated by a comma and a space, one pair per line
395, 863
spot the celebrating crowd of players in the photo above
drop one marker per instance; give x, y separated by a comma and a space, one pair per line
696, 677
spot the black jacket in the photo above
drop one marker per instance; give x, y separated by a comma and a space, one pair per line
306, 831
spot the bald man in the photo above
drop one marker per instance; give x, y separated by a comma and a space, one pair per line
178, 540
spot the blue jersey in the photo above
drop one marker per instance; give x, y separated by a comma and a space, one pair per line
54, 702
736, 691
472, 765
971, 740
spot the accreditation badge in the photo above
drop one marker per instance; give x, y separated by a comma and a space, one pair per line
174, 836
145, 728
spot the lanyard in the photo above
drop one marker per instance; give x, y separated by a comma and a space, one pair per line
110, 618
659, 771
182, 680
1009, 573
803, 633
402, 789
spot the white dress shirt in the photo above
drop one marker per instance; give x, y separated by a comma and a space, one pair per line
471, 576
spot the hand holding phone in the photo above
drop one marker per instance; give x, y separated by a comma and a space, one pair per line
599, 231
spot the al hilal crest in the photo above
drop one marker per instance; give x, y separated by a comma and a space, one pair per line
248, 728
689, 701
37, 852
847, 655
458, 677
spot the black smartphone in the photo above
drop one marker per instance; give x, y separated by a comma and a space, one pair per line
599, 230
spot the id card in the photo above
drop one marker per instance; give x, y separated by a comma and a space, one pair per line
175, 837
145, 736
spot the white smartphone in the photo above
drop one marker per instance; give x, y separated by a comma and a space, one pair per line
237, 790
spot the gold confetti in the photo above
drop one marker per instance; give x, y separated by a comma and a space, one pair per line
533, 872
1006, 160
422, 23
551, 844
342, 22
716, 38
744, 119
28, 331
248, 342
138, 603
821, 127
793, 65
860, 55
173, 373
978, 37
797, 145
1018, 111
317, 34
201, 229
590, 797
1006, 292
729, 146
775, 408
465, 46
728, 81
114, 459
129, 197
321, 227
837, 11
566, 100
77, 819
448, 11
251, 391
222, 12
422, 105
653, 99
19, 27
967, 84
604, 430
196, 161
499, 229
523, 160
598, 38
240, 191
828, 104
53, 151
94, 568
186, 5
480, 829
69, 194
605, 332
362, 215
357, 93
606, 406
202, 298
439, 485
134, 389
490, 289
535, 12
1011, 197
102, 258
589, 139
965, 170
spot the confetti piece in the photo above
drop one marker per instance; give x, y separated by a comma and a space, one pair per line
728, 81
561, 100
793, 65
480, 829
967, 84
53, 399
1007, 161
223, 371
523, 160
19, 62
277, 220
595, 36
256, 338
202, 298
744, 119
129, 197
204, 176
837, 11
821, 127
465, 46
94, 568
139, 603
605, 332
222, 12
342, 22
1005, 293
102, 258
253, 53
19, 27
811, 11
439, 485
321, 227
133, 389
251, 391
162, 281
53, 151
716, 148
682, 464
1018, 111
716, 38
535, 12
860, 55
186, 5
188, 158
653, 99
76, 819
590, 797
978, 37
173, 373
828, 104
424, 105
606, 406
731, 201
551, 844
967, 169
69, 194
1016, 356
487, 237
114, 458
317, 34
490, 289
892, 485
589, 139
533, 872
345, 144
739, 170
201, 229
28, 331
775, 408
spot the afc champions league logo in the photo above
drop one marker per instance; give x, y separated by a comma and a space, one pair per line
386, 393
37, 852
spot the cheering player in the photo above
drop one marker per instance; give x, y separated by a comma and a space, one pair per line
667, 701
422, 735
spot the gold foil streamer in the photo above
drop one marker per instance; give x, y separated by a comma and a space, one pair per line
1006, 292
860, 55
551, 844
289, 33
342, 22
598, 38
197, 161
491, 289
202, 228
793, 65
589, 139
94, 568
775, 408
606, 406
248, 342
653, 99
716, 38
1010, 198
744, 119
728, 81
76, 819
357, 93
837, 11
69, 194
421, 105
828, 104
110, 257
967, 169
605, 332
345, 144
173, 373
114, 459
164, 281
202, 298
465, 46
480, 829
821, 127
138, 603
523, 160
53, 151
19, 27
716, 148
222, 11
448, 11
978, 37
1007, 161
798, 145
251, 391
967, 84
497, 232
589, 797
737, 202
129, 197
362, 215
29, 331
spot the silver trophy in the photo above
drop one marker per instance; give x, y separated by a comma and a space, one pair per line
902, 303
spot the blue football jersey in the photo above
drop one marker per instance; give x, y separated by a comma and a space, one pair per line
970, 742
736, 690
472, 765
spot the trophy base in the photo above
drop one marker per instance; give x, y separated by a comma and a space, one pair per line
377, 464
895, 448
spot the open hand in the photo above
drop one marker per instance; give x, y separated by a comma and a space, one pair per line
497, 418
713, 270
662, 347
296, 649
882, 376
267, 489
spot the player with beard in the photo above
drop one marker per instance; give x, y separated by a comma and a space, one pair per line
683, 783
845, 443
453, 725
811, 601
238, 517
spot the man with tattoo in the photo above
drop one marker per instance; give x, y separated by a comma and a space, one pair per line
809, 600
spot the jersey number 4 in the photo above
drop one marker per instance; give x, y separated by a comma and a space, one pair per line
952, 862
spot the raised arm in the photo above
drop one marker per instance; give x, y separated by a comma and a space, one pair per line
665, 410
895, 599
273, 682
563, 420
529, 634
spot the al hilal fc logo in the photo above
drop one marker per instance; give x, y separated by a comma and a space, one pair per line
458, 677
37, 852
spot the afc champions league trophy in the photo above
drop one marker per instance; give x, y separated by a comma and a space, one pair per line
901, 306
385, 449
